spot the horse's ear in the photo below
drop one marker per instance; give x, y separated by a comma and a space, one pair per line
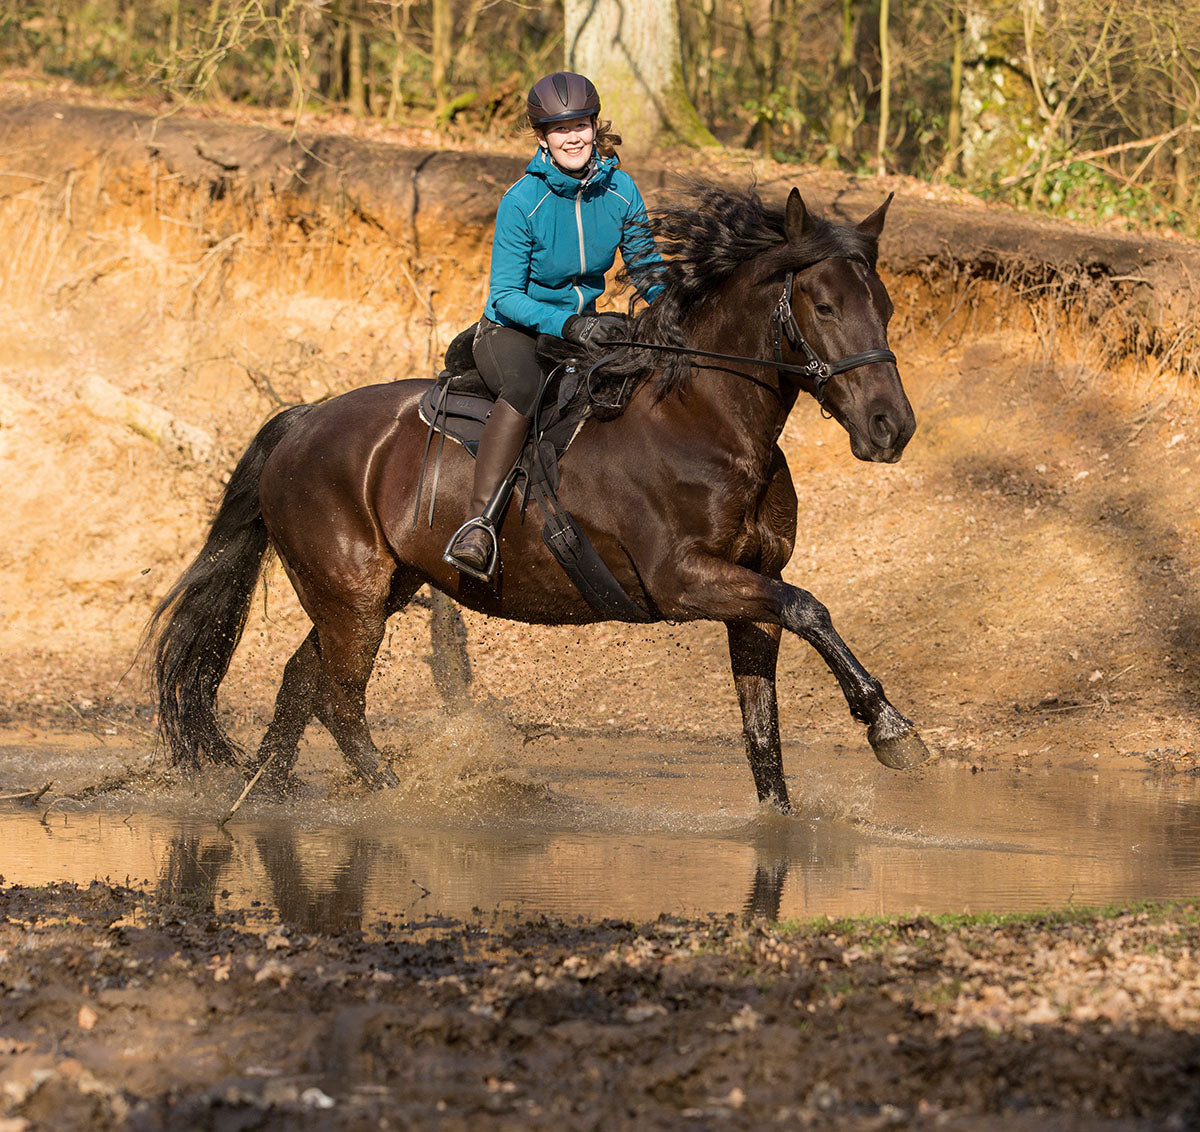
795, 218
873, 225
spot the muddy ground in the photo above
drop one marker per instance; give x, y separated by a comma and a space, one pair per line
120, 1011
1023, 583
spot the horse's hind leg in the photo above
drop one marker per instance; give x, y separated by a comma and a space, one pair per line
301, 695
349, 634
753, 652
348, 640
294, 706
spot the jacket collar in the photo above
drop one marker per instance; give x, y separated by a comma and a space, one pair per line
563, 184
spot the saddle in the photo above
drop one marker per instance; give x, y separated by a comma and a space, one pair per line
458, 403
457, 406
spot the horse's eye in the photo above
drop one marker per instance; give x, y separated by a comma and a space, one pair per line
823, 309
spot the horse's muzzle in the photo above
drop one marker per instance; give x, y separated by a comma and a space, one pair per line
883, 436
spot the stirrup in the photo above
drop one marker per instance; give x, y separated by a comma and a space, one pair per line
489, 572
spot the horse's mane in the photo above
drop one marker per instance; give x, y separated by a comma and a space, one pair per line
703, 238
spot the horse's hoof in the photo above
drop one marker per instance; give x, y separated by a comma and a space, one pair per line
900, 752
280, 787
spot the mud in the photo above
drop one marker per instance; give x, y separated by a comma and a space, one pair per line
121, 1011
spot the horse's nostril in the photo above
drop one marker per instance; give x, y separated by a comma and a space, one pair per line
883, 432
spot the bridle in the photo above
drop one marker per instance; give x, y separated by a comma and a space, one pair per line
783, 325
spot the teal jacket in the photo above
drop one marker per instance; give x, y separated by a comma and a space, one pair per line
556, 236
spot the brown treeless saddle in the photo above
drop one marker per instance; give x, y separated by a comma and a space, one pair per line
457, 406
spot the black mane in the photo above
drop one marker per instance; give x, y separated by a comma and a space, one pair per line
703, 240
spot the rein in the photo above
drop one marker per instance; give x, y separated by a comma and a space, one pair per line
783, 324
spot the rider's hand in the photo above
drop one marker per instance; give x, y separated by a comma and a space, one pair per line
596, 329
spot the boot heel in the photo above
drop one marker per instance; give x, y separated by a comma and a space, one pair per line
489, 571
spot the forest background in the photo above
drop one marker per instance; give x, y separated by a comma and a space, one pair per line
1087, 109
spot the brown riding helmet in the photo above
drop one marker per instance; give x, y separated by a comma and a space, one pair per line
560, 97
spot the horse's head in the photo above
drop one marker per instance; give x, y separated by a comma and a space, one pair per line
842, 309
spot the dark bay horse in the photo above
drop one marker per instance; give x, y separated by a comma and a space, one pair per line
686, 495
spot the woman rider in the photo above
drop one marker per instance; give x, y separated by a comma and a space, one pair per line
557, 232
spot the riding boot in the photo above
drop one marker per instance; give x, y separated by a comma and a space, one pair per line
499, 448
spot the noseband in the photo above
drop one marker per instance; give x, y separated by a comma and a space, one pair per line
783, 325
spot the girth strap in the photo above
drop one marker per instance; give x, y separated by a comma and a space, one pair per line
583, 565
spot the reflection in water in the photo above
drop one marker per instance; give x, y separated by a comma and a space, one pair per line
942, 840
766, 893
192, 867
335, 905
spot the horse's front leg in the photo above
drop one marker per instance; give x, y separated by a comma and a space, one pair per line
725, 592
753, 651
893, 738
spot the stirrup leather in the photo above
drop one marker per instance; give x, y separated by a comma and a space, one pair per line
481, 522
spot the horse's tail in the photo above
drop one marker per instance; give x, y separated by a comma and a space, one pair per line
197, 626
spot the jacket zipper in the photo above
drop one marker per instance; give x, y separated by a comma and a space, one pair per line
582, 250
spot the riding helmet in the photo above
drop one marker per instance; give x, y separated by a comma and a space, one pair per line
560, 97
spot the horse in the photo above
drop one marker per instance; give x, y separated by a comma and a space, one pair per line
684, 493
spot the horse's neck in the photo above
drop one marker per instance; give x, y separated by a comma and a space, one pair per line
742, 407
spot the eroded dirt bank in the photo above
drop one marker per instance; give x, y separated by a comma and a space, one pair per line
1022, 581
121, 1011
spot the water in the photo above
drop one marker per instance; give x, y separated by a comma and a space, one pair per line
598, 828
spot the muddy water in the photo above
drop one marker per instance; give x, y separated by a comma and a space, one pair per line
597, 828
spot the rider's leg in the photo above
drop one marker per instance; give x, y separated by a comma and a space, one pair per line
499, 447
507, 360
508, 364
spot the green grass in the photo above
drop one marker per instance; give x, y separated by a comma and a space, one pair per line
894, 928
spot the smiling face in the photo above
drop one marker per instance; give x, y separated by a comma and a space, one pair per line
570, 142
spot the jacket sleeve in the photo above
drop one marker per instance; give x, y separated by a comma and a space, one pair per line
512, 254
638, 251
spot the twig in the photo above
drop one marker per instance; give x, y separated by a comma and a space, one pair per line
144, 731
1091, 155
249, 786
46, 811
117, 782
91, 730
424, 891
29, 797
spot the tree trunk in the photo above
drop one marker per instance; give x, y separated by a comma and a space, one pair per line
704, 70
885, 87
842, 94
1000, 113
173, 31
443, 34
356, 76
631, 52
952, 162
335, 84
400, 37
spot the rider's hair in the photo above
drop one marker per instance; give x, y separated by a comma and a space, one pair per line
606, 140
